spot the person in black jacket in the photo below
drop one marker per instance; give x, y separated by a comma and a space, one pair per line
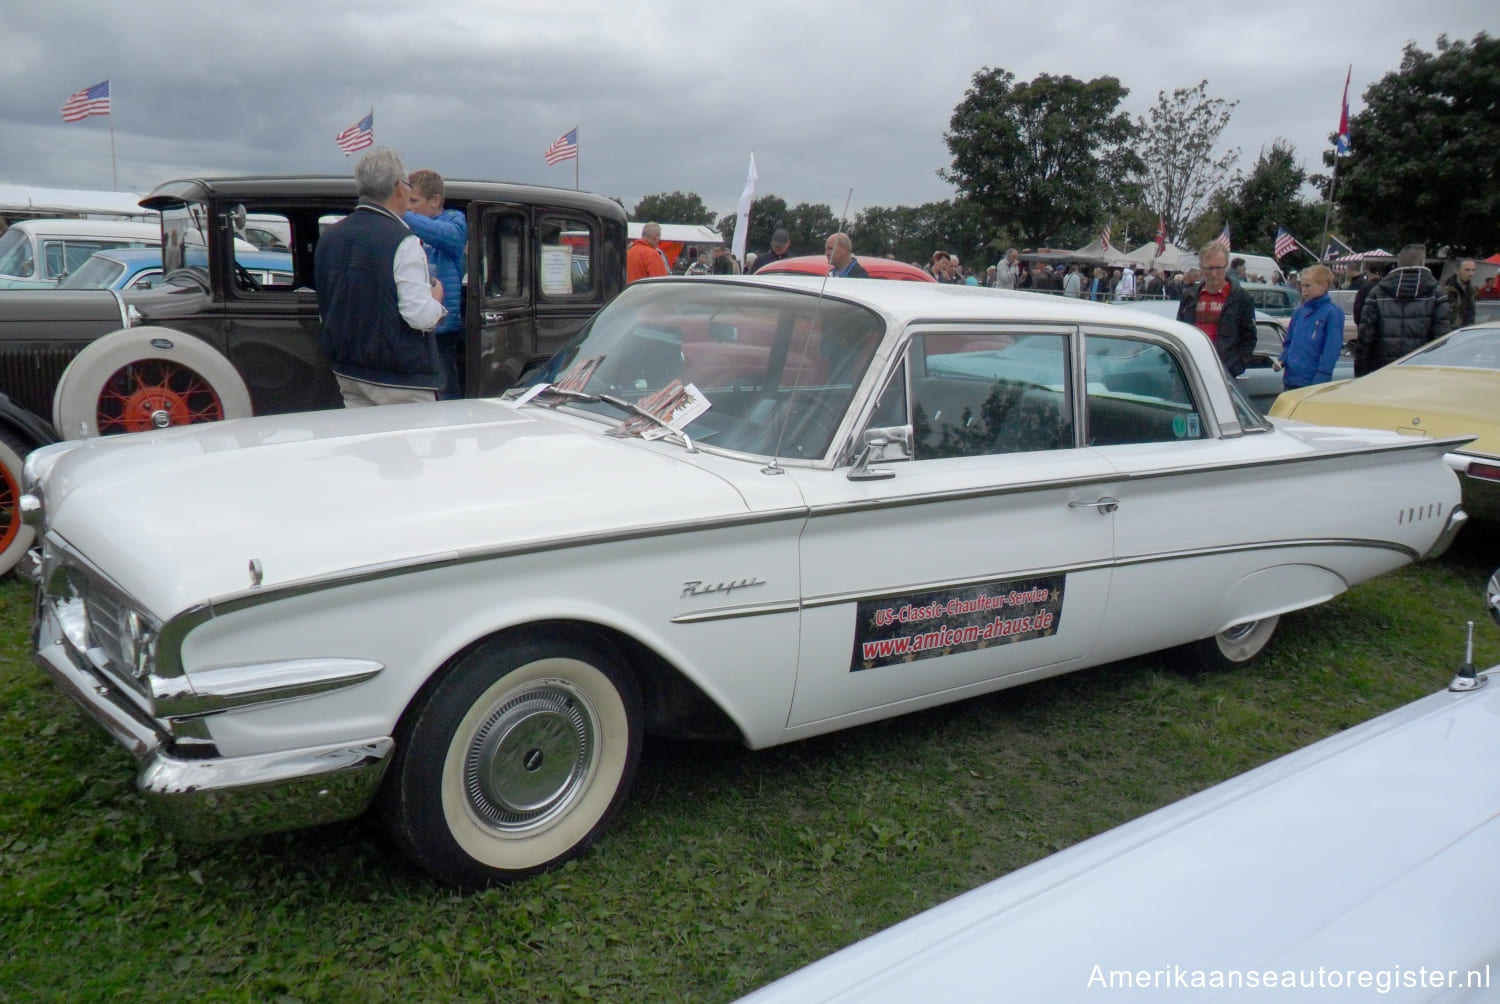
781, 247
1406, 310
1221, 309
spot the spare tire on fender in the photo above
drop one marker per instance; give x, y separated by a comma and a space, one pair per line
139, 379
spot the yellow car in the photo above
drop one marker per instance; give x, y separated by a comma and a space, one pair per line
1449, 387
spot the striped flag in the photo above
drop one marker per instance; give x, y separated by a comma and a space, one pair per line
1161, 236
1104, 236
565, 147
1285, 243
1341, 142
358, 136
1223, 239
89, 101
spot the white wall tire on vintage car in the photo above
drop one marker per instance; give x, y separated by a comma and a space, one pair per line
1235, 647
139, 379
15, 536
515, 761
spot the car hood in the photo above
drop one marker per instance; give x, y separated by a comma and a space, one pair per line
1370, 851
1432, 400
176, 516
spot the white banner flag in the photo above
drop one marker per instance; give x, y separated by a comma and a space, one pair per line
742, 214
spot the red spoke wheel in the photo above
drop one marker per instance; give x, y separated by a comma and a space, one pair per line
153, 394
146, 378
15, 536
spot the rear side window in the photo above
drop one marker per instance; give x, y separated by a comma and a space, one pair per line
565, 245
1137, 393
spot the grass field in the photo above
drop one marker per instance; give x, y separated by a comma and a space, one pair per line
728, 868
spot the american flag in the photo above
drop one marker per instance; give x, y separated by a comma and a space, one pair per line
1285, 243
89, 101
565, 147
1223, 239
1104, 236
358, 136
1161, 236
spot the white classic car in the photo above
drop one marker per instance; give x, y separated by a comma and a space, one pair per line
1362, 864
754, 508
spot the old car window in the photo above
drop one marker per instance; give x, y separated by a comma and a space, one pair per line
15, 254
565, 248
777, 368
1137, 393
986, 393
505, 272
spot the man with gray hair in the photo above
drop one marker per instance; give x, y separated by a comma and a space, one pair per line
377, 301
1007, 271
1403, 312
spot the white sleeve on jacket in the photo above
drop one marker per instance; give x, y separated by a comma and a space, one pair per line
413, 288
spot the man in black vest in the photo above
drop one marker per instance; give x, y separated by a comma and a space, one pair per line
376, 299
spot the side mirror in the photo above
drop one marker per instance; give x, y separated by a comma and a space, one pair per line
880, 446
238, 216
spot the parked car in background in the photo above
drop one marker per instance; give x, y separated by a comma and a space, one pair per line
1273, 299
1261, 382
37, 254
141, 268
761, 508
1354, 867
879, 268
214, 340
1451, 386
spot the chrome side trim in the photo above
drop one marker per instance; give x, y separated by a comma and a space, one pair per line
730, 613
228, 688
1456, 520
937, 585
230, 797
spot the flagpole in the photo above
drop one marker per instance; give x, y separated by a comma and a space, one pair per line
114, 172
577, 156
1328, 212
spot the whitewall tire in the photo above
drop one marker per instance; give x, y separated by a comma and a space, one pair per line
1235, 647
139, 379
15, 536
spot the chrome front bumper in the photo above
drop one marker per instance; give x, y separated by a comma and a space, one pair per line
220, 798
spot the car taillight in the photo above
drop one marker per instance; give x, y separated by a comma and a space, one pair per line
1489, 472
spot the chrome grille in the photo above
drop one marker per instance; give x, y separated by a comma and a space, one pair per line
104, 628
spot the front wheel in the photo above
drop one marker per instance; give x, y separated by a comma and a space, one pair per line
515, 761
1235, 647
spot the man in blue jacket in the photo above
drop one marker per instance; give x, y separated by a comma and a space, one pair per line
445, 238
1315, 336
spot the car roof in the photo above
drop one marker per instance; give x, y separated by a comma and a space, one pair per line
89, 228
879, 268
327, 186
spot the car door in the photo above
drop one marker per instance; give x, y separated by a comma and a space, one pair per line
500, 321
983, 559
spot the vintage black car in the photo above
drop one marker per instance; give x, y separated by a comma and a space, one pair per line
212, 341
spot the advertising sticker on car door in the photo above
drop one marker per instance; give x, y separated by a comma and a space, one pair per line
916, 626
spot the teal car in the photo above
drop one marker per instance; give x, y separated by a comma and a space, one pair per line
140, 268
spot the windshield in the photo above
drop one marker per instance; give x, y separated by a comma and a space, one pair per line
1470, 348
764, 371
96, 273
182, 227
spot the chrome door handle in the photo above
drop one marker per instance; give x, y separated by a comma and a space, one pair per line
1104, 505
493, 317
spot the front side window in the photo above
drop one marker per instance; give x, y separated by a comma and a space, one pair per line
505, 273
1137, 393
15, 254
987, 393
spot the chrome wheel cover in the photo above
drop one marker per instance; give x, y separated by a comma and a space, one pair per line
530, 757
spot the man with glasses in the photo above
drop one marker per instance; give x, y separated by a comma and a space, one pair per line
376, 300
1221, 309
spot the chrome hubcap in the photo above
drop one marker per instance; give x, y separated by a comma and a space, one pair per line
529, 758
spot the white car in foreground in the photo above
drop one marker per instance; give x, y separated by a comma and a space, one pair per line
1360, 867
755, 507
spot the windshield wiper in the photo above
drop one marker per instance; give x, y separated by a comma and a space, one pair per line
571, 395
656, 420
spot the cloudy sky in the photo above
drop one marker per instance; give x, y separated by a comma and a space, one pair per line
831, 96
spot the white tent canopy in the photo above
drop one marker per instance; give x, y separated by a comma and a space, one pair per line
679, 233
1170, 258
17, 201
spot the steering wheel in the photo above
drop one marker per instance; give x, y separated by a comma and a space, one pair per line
808, 422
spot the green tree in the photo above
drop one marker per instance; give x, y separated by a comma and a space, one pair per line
1268, 197
766, 214
673, 207
1182, 176
1423, 150
1040, 159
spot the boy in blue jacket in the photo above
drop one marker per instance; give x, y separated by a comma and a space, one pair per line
445, 238
1315, 336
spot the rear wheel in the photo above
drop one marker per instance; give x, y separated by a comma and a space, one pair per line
146, 378
1235, 647
15, 536
515, 761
